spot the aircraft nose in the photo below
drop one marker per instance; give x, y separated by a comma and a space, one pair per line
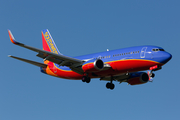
167, 56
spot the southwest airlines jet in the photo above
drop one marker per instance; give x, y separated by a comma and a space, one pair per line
122, 65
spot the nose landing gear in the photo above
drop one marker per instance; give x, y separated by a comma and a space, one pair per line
150, 72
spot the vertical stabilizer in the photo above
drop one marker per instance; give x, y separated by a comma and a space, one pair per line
48, 42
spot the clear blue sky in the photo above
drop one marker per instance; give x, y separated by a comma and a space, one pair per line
82, 27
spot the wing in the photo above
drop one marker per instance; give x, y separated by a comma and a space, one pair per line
62, 60
121, 78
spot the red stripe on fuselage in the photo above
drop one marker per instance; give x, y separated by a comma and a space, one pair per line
118, 67
133, 65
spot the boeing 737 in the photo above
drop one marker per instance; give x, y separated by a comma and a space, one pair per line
134, 65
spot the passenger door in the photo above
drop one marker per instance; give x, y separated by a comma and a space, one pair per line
143, 52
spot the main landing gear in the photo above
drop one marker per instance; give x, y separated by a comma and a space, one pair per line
110, 85
86, 79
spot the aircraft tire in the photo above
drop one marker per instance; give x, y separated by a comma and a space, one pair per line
86, 79
153, 75
110, 86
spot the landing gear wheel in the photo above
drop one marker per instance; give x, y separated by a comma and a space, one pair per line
110, 86
86, 79
152, 75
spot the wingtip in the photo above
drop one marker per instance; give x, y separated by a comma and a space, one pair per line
9, 55
12, 37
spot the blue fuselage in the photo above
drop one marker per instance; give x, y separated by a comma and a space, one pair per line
150, 53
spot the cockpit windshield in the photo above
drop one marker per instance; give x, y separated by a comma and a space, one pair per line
157, 49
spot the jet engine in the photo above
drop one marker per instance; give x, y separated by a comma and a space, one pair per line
93, 66
138, 78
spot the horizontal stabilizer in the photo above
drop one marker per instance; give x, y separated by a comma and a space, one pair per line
29, 61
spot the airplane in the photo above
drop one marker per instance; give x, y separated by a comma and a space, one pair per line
121, 65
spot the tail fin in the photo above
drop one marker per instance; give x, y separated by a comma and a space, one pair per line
48, 42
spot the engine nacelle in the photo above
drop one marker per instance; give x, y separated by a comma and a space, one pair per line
93, 66
138, 78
